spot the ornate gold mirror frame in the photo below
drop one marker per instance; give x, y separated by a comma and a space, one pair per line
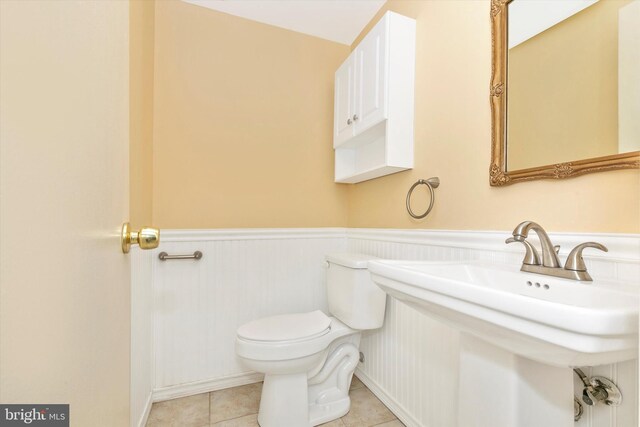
498, 93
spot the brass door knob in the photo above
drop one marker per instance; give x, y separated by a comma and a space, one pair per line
146, 238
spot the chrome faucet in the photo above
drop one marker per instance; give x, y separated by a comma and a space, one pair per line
574, 267
549, 255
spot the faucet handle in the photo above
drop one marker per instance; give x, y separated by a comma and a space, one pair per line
575, 262
531, 257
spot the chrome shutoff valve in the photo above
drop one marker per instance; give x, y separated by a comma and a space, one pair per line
599, 390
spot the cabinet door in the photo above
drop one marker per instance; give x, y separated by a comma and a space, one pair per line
343, 103
370, 106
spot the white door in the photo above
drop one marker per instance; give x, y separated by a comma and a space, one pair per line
343, 102
370, 79
64, 289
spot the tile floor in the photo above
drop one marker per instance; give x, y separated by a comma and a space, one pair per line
238, 407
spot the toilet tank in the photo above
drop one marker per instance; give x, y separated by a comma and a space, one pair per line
353, 297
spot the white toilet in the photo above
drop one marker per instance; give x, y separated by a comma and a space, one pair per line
308, 358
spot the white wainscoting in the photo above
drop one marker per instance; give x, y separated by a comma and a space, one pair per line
243, 275
411, 363
141, 336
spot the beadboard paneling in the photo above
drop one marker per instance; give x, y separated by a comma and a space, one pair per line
411, 363
243, 275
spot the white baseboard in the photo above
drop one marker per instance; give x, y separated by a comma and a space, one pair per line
206, 386
142, 422
407, 419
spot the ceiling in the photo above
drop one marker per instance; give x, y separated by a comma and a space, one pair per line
336, 20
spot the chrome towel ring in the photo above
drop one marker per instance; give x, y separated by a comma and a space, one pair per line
432, 183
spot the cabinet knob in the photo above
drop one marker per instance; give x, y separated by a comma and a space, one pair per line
355, 117
349, 121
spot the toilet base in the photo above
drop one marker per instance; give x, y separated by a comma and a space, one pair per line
329, 388
320, 414
284, 401
294, 400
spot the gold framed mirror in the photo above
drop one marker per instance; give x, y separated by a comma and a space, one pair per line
517, 137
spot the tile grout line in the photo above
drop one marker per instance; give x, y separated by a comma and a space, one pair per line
235, 418
386, 422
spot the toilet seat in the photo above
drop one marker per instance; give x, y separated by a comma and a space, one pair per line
286, 327
295, 348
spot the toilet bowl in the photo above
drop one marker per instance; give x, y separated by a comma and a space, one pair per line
292, 365
309, 358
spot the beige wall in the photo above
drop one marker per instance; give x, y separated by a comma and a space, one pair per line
242, 123
452, 134
563, 90
141, 52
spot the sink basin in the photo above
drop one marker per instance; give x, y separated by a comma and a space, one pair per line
555, 321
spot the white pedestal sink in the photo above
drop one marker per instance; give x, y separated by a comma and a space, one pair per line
500, 389
521, 333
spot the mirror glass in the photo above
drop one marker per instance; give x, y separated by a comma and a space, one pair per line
573, 78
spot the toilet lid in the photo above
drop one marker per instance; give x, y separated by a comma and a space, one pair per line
286, 327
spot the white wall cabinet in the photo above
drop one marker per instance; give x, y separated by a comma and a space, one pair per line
344, 101
374, 103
